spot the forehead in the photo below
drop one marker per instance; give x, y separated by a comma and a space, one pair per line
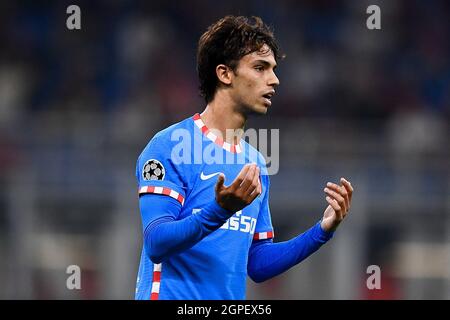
265, 53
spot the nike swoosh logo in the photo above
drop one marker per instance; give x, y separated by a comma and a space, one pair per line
208, 176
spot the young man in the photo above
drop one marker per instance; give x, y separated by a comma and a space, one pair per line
201, 237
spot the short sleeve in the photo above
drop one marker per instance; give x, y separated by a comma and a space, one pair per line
157, 174
264, 228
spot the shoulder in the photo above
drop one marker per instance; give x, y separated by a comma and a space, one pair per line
158, 150
254, 155
156, 161
163, 141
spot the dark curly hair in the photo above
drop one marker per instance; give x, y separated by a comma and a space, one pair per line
226, 42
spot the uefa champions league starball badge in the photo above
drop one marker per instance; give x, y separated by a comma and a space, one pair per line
153, 170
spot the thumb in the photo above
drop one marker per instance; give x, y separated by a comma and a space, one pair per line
220, 182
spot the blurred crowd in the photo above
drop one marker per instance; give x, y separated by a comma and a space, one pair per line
129, 51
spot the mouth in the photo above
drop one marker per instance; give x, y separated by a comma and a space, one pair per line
268, 97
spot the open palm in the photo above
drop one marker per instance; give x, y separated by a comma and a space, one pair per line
339, 199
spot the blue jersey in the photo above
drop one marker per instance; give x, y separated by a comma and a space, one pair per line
183, 162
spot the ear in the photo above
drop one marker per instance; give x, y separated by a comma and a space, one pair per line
224, 74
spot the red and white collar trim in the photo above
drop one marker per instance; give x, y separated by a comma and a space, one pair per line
233, 148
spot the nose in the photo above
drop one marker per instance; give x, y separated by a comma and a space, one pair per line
273, 80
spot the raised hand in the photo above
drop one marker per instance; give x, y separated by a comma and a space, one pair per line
339, 198
244, 189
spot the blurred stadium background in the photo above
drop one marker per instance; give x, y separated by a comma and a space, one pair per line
77, 107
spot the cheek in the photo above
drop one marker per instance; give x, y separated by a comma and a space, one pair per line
251, 84
249, 89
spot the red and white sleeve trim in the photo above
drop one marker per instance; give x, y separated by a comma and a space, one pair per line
162, 190
263, 235
233, 148
156, 283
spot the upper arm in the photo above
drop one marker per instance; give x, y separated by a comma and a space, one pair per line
157, 173
264, 228
156, 208
161, 184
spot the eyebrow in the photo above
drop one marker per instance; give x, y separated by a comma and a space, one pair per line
265, 63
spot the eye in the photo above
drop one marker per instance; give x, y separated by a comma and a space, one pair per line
259, 68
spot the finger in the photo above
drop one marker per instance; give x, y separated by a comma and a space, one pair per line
337, 197
259, 184
257, 191
336, 207
220, 182
248, 180
348, 187
342, 191
254, 187
237, 182
252, 197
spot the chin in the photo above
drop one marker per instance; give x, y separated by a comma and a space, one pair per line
261, 109
258, 109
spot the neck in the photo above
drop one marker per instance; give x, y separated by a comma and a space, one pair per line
222, 116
